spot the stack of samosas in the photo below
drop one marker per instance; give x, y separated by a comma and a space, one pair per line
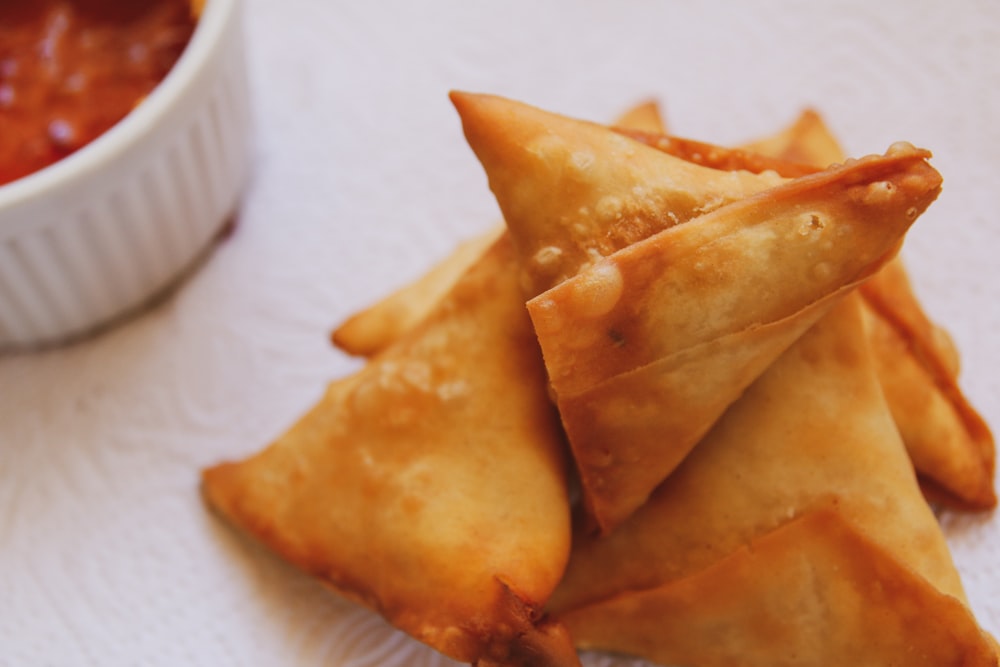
683, 405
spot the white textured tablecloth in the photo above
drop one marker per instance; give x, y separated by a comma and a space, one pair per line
361, 180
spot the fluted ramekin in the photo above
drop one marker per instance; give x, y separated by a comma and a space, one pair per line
99, 234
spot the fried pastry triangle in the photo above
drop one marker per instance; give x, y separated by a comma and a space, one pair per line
950, 445
572, 192
646, 348
431, 485
795, 533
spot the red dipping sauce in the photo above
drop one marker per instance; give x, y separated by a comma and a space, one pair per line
71, 69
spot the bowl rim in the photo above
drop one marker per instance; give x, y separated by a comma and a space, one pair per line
137, 123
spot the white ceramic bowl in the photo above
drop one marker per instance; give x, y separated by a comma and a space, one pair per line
99, 234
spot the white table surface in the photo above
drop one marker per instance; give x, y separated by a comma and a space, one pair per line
361, 180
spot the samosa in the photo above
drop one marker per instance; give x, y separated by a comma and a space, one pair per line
950, 445
431, 485
572, 192
794, 534
647, 347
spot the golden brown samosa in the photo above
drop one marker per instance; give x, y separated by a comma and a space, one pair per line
431, 485
572, 192
647, 347
950, 445
794, 534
